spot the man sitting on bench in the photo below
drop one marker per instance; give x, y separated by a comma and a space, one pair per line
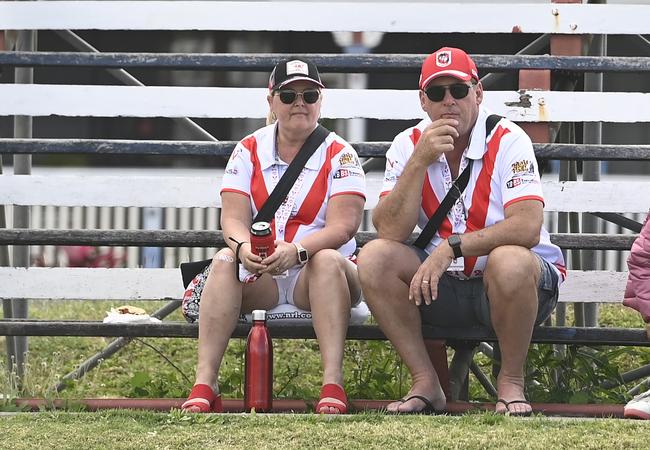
489, 261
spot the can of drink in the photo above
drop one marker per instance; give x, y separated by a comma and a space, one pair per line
262, 239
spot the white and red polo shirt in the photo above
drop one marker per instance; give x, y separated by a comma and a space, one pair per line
504, 171
334, 169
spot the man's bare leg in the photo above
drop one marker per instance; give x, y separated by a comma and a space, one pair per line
385, 269
513, 308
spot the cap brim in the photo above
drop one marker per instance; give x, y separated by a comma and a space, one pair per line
447, 73
291, 80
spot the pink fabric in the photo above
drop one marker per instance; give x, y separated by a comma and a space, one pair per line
637, 291
86, 256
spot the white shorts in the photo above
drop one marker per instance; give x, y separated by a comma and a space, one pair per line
287, 284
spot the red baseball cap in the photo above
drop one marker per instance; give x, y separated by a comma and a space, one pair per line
450, 62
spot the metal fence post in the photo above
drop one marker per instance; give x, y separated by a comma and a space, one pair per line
7, 311
592, 134
568, 45
22, 166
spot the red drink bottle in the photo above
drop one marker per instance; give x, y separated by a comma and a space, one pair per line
258, 380
262, 239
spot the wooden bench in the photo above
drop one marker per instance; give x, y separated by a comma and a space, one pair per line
528, 106
129, 284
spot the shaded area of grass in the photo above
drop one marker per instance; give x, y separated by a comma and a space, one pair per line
140, 430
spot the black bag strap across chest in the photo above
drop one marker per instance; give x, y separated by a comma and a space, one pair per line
271, 205
453, 195
266, 214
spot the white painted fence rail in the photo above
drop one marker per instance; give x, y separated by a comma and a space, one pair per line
53, 194
203, 192
391, 17
156, 284
230, 102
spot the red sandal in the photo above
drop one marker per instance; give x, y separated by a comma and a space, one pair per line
202, 396
332, 395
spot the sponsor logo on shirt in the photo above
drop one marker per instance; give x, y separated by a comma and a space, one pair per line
523, 167
344, 173
231, 170
521, 180
349, 160
389, 174
234, 154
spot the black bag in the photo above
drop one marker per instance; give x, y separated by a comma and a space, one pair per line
191, 269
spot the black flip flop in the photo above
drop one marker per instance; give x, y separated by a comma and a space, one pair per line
428, 406
514, 414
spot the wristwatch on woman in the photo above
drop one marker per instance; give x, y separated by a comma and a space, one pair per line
303, 254
454, 243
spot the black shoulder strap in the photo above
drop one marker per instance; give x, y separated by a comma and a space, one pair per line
453, 195
490, 123
289, 178
191, 269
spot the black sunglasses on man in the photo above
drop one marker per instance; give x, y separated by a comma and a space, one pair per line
457, 90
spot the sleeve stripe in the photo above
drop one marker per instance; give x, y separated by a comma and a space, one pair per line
236, 191
526, 197
360, 194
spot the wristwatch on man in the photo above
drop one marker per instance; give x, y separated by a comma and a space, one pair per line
454, 243
303, 254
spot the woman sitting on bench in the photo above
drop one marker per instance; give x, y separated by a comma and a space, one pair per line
314, 229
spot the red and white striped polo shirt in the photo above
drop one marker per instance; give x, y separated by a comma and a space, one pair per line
334, 169
504, 171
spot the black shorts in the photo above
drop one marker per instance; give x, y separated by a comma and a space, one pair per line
463, 303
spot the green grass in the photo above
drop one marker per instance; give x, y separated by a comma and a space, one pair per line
145, 430
372, 369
